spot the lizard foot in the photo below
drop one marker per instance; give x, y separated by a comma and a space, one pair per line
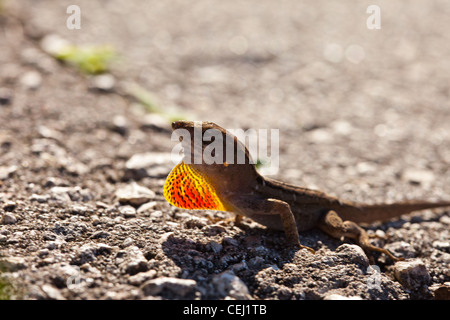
297, 244
308, 248
333, 225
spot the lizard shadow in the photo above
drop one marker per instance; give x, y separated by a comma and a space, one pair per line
245, 253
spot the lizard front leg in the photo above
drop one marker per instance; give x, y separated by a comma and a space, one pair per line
333, 225
268, 212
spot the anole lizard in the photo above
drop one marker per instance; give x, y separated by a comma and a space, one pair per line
239, 188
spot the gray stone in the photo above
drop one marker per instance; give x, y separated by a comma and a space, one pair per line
7, 172
353, 253
412, 274
5, 96
131, 260
180, 287
155, 122
31, 80
89, 251
40, 198
128, 211
141, 277
8, 218
147, 206
52, 292
150, 164
418, 176
215, 247
48, 133
442, 245
120, 125
127, 242
134, 194
227, 284
54, 44
103, 82
9, 206
81, 210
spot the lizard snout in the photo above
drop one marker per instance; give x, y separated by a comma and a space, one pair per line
177, 125
182, 124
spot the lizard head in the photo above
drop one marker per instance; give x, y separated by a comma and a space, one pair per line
215, 152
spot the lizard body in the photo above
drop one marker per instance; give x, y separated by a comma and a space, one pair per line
239, 188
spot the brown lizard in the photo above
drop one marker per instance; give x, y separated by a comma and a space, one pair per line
239, 188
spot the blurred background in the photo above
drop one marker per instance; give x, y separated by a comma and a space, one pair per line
346, 98
85, 116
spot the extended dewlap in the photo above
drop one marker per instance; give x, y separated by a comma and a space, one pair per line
188, 189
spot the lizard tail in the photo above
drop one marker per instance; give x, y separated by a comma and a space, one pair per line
382, 212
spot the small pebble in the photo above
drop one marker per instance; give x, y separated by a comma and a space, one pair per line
9, 206
413, 274
120, 125
40, 198
43, 252
8, 218
31, 80
418, 176
7, 172
128, 211
216, 247
52, 292
354, 253
142, 277
150, 164
231, 286
134, 261
5, 96
147, 206
54, 44
320, 136
442, 245
101, 235
180, 287
441, 291
380, 234
127, 242
154, 121
103, 82
134, 194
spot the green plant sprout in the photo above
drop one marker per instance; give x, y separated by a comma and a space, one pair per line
88, 59
261, 163
7, 290
148, 101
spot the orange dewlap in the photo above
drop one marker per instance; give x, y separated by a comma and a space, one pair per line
188, 189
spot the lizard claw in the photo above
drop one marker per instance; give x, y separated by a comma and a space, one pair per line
308, 248
300, 246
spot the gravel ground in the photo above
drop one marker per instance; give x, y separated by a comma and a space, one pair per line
363, 115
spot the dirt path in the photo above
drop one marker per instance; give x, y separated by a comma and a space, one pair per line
363, 114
